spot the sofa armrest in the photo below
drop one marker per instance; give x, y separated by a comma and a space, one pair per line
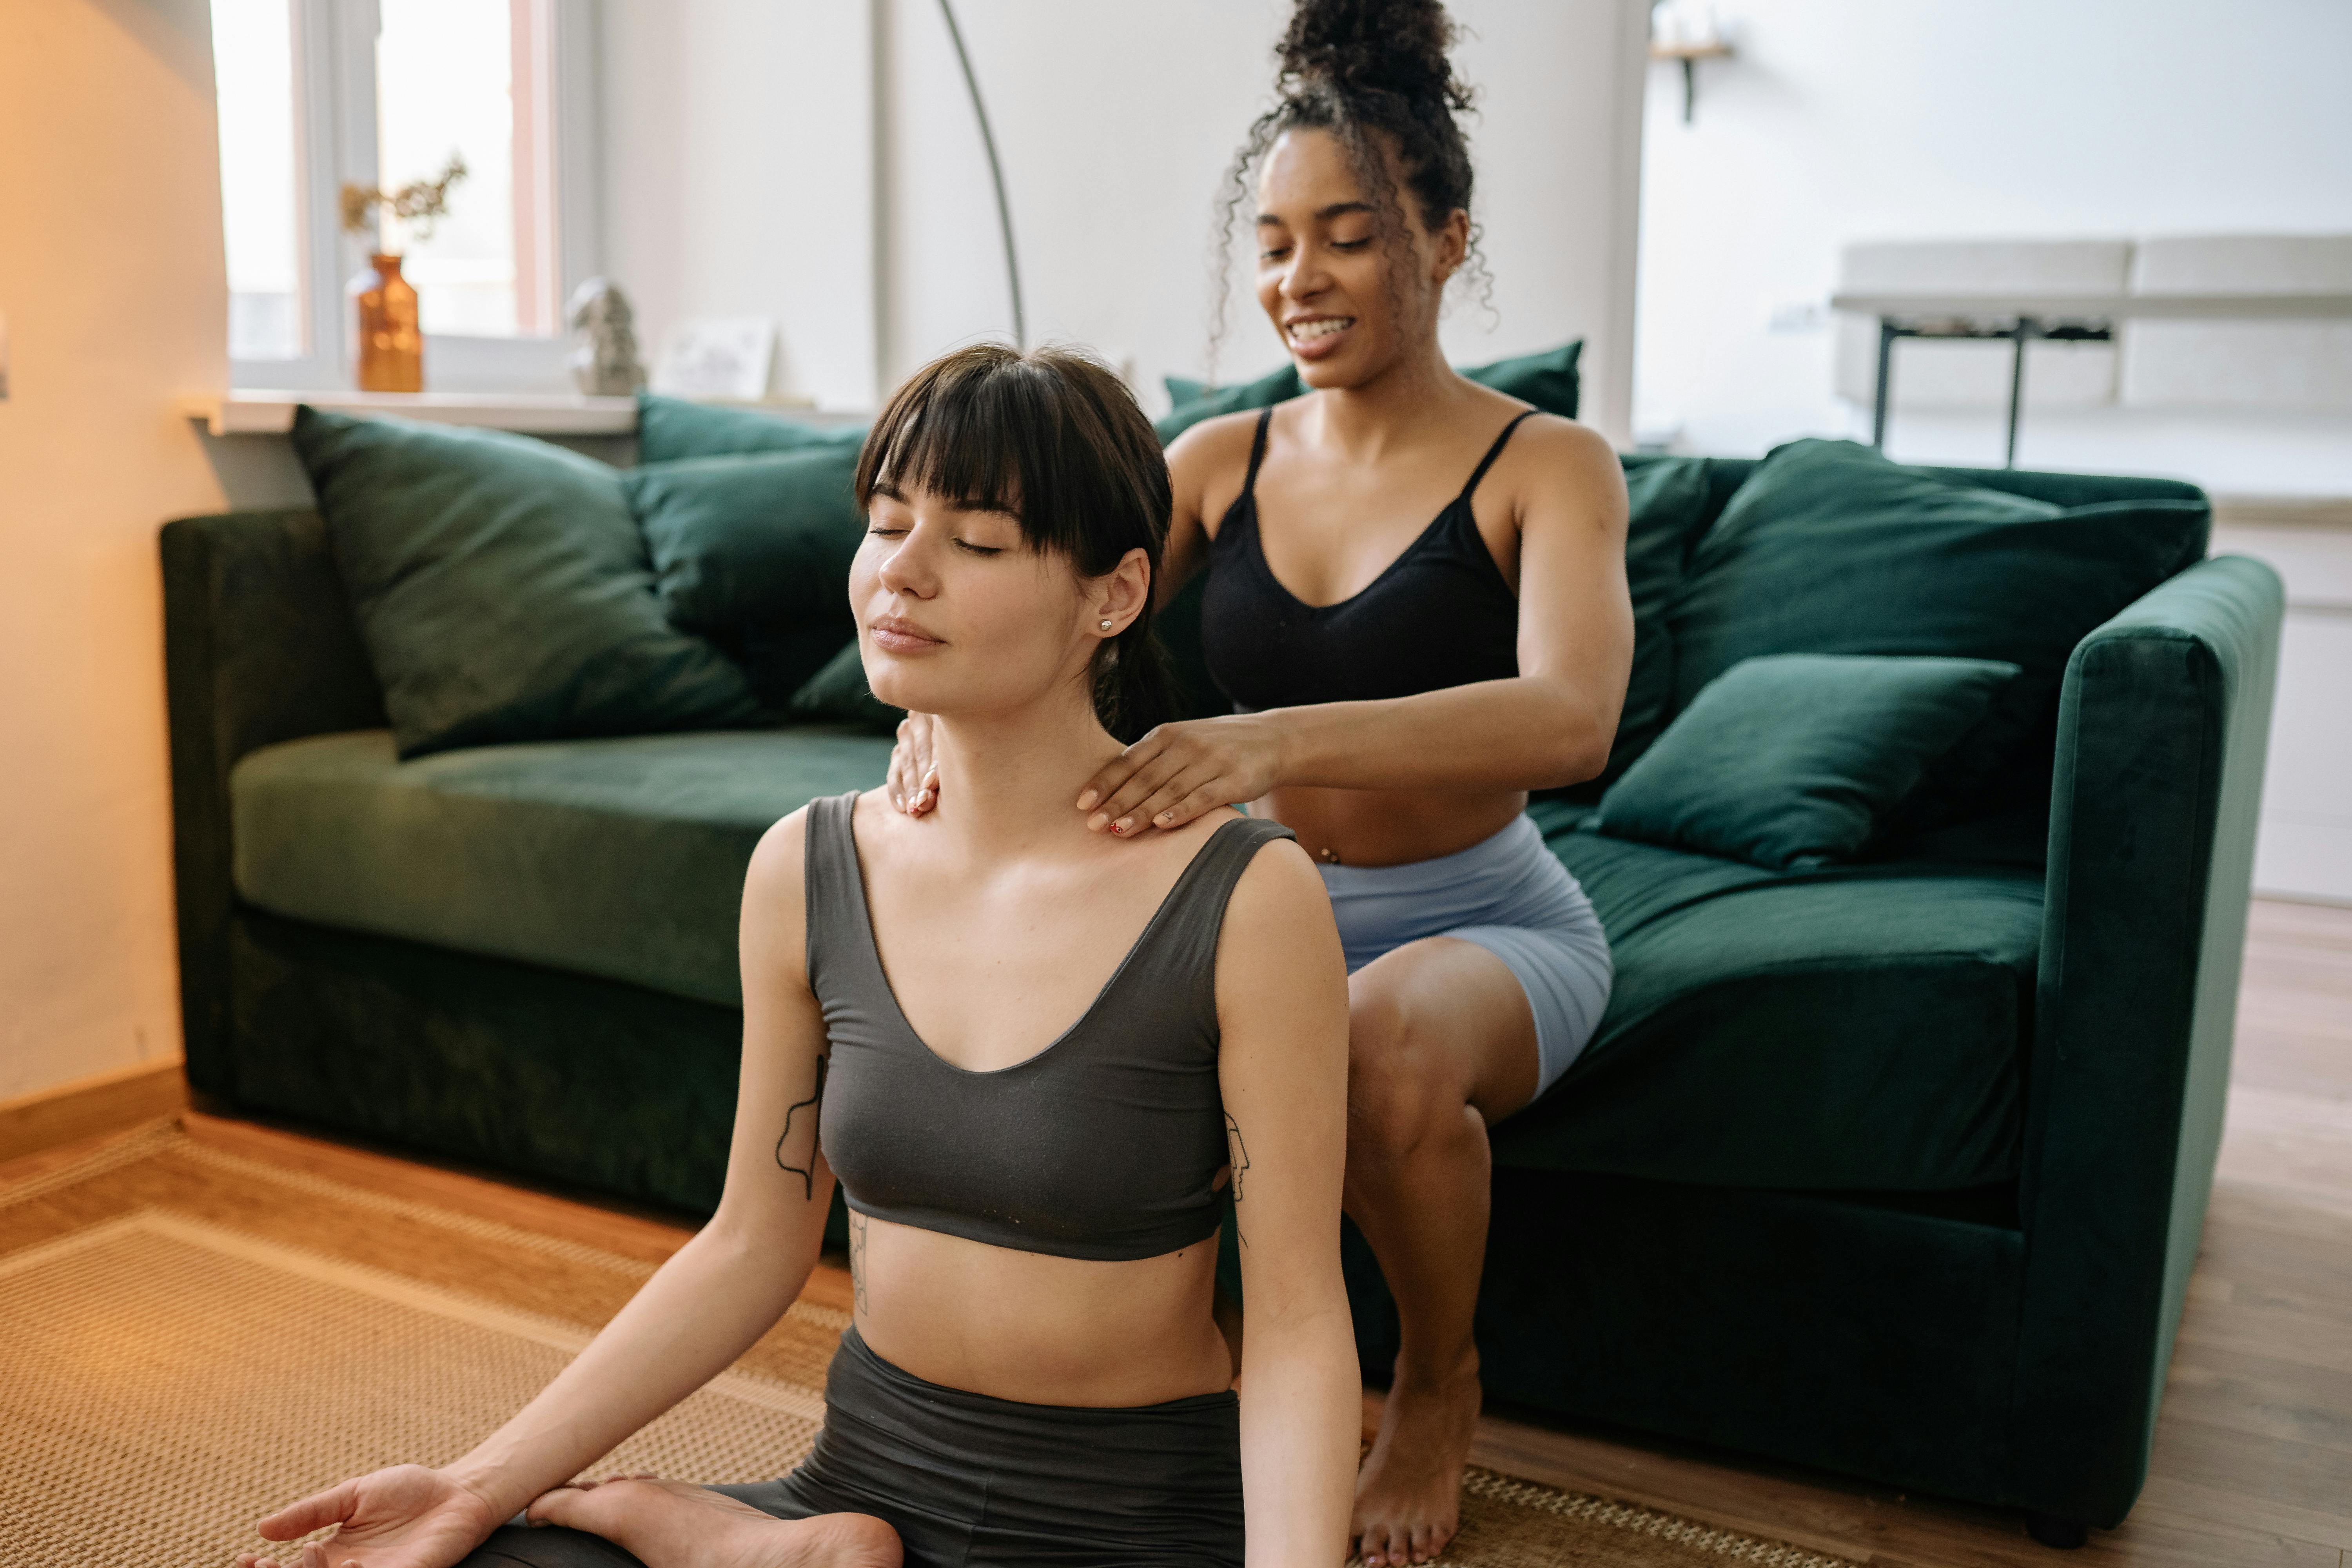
259, 646
2163, 724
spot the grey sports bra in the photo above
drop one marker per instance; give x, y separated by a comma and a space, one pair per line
1106, 1144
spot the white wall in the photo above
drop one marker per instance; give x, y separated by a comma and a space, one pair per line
1115, 125
1845, 120
111, 277
739, 177
817, 162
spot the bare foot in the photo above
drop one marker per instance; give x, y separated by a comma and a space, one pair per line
670, 1524
1409, 1493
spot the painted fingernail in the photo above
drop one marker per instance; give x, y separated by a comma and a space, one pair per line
1098, 822
1122, 824
1087, 802
1164, 818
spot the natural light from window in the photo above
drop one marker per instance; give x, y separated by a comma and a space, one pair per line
253, 61
445, 85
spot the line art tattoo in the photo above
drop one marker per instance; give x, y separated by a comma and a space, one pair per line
1240, 1163
857, 1264
815, 1102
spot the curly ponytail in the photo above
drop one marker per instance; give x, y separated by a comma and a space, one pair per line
1358, 69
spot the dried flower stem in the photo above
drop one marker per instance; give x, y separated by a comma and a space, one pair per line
415, 204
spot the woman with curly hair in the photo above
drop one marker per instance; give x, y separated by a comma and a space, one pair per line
1416, 600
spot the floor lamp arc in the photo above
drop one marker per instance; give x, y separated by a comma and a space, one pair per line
995, 174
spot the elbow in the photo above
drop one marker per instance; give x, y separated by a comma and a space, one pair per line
1579, 751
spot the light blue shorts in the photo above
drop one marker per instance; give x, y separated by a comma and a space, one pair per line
1507, 894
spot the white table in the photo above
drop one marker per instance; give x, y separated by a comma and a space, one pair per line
2066, 318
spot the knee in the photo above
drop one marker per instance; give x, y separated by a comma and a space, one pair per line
1401, 1087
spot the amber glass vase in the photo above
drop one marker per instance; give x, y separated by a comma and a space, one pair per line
391, 349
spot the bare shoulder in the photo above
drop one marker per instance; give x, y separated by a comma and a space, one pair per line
1207, 461
780, 859
775, 895
1279, 962
1214, 442
1554, 465
1278, 900
1568, 442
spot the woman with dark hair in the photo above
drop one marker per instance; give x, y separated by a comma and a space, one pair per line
1032, 1374
1400, 685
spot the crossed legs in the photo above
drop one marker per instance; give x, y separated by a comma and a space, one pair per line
642, 1522
1442, 1043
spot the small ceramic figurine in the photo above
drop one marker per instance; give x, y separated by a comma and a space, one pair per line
604, 359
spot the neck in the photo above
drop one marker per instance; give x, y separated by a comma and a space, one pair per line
1392, 405
1017, 775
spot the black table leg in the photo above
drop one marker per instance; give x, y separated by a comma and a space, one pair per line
2025, 329
1886, 371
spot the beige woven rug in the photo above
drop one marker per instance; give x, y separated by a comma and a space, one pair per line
190, 1338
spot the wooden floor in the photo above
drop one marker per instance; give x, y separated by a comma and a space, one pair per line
2253, 1448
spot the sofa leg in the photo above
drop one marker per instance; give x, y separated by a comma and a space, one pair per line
2052, 1531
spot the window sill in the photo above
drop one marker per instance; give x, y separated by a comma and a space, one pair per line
260, 413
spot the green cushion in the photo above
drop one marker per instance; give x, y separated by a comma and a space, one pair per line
1276, 386
753, 553
1828, 548
502, 589
1857, 1029
838, 694
621, 859
1548, 380
669, 429
1790, 760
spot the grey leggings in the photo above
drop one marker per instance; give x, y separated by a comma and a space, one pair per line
968, 1481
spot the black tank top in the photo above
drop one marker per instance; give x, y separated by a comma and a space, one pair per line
1440, 614
1105, 1144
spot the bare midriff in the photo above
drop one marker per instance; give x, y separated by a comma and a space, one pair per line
1038, 1328
1389, 826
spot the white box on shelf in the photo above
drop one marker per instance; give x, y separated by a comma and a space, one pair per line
727, 357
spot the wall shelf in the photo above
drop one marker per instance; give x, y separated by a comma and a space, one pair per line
1687, 55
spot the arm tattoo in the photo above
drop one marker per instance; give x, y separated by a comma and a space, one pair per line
815, 1102
1240, 1157
857, 1264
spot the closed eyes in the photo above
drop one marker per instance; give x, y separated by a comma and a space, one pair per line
879, 531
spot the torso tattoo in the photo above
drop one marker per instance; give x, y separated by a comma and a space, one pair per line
1240, 1157
857, 1264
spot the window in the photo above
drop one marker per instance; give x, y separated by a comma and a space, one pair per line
316, 95
253, 50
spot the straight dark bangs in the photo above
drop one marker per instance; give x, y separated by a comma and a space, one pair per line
1029, 436
959, 436
1054, 438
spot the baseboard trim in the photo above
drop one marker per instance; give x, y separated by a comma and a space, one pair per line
90, 1107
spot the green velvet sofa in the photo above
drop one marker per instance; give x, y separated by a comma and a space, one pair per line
1896, 1169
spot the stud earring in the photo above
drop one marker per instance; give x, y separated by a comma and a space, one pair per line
1105, 623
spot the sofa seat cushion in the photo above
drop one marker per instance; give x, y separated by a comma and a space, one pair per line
1860, 1028
621, 858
